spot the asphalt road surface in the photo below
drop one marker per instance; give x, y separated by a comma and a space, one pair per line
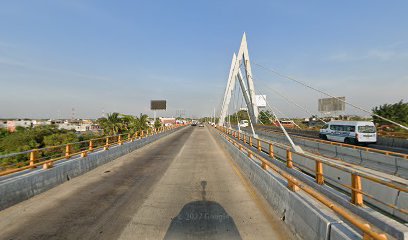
183, 186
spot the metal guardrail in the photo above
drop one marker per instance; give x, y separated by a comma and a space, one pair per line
367, 149
48, 155
357, 193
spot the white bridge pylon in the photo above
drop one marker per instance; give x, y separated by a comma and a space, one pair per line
246, 84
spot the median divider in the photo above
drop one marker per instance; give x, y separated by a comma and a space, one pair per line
320, 172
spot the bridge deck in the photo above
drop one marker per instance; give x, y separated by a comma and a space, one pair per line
183, 186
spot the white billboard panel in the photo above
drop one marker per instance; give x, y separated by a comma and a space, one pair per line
260, 100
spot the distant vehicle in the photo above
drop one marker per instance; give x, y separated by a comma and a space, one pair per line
243, 123
351, 132
285, 123
201, 125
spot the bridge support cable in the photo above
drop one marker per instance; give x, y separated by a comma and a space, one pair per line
295, 147
290, 101
330, 95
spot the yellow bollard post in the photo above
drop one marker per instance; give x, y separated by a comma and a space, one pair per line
264, 166
292, 186
67, 151
289, 162
120, 140
33, 157
84, 154
90, 148
356, 195
249, 154
129, 138
250, 141
106, 147
271, 153
259, 145
319, 172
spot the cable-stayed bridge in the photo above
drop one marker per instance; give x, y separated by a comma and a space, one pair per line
211, 182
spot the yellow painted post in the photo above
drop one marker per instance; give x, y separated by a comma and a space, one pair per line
48, 165
129, 138
289, 162
259, 145
239, 136
106, 147
244, 138
249, 154
84, 154
319, 172
250, 141
90, 148
264, 166
68, 151
271, 153
141, 134
292, 186
356, 195
120, 140
33, 157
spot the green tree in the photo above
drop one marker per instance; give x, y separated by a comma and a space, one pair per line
265, 117
397, 112
112, 124
157, 123
143, 122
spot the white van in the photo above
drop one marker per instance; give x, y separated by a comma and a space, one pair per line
349, 132
243, 123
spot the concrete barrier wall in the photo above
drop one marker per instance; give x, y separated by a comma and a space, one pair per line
394, 165
383, 141
306, 218
339, 178
19, 188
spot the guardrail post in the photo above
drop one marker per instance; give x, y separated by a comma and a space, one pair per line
264, 166
259, 145
239, 136
33, 157
90, 148
84, 154
141, 134
356, 195
48, 165
244, 138
120, 140
106, 147
249, 154
292, 186
250, 141
271, 153
129, 138
289, 162
319, 172
68, 151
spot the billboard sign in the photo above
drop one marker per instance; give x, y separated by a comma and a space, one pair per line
158, 105
327, 105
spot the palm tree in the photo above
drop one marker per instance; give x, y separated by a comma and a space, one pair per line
111, 125
142, 122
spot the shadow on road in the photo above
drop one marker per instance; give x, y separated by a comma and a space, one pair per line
202, 220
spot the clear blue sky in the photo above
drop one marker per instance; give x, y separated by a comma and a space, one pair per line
117, 55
